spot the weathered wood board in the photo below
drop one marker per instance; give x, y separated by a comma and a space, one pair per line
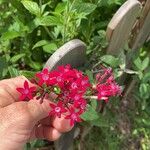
66, 141
119, 28
148, 39
73, 52
144, 30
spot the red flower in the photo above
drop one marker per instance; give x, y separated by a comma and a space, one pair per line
64, 69
74, 86
78, 74
56, 78
57, 109
79, 101
73, 116
84, 83
43, 76
27, 92
106, 85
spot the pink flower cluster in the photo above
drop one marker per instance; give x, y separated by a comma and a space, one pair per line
71, 89
106, 85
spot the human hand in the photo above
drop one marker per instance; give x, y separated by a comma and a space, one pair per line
23, 121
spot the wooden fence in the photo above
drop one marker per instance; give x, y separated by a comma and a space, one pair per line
130, 25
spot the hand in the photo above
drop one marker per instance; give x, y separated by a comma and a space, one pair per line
22, 121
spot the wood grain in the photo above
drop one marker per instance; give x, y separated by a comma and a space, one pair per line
73, 52
144, 28
120, 26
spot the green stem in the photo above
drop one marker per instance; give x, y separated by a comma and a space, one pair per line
40, 4
49, 33
67, 19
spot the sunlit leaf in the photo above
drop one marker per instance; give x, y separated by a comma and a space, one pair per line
10, 35
145, 63
49, 48
90, 114
40, 43
110, 60
16, 57
50, 21
13, 71
32, 7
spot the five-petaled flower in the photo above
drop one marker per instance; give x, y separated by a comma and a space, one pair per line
26, 92
57, 109
43, 76
73, 116
106, 86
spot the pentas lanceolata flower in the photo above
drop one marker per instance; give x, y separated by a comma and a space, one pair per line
26, 92
70, 90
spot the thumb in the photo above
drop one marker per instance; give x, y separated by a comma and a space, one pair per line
38, 111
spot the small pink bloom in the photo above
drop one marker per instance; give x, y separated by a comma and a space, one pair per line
73, 116
57, 109
64, 69
106, 85
85, 83
26, 92
43, 76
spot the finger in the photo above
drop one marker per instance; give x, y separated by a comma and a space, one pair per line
8, 91
46, 132
61, 124
18, 82
5, 97
37, 110
46, 121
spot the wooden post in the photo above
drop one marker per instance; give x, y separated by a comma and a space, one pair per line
144, 27
119, 28
73, 53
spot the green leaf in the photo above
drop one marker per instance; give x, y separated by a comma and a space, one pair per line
33, 24
110, 60
118, 73
50, 48
145, 63
27, 74
36, 65
16, 58
44, 6
94, 103
101, 121
40, 43
51, 21
86, 8
146, 77
144, 90
90, 114
37, 143
32, 7
90, 75
60, 7
138, 63
27, 146
122, 59
3, 65
10, 35
140, 74
13, 71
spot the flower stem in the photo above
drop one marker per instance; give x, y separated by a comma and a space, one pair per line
91, 97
